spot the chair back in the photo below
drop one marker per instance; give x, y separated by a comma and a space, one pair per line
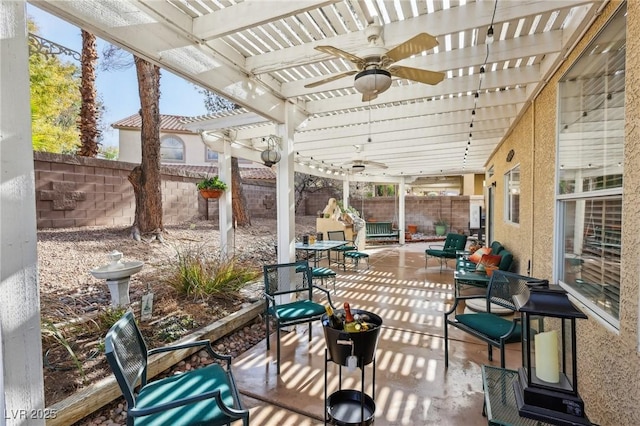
285, 278
336, 236
496, 247
126, 353
504, 285
455, 242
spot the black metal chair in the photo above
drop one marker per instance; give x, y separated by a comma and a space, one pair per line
495, 330
293, 281
205, 396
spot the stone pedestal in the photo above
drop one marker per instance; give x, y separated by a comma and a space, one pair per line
119, 290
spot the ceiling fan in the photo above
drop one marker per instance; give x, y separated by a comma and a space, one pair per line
358, 164
375, 64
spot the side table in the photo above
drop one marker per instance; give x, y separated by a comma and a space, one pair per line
500, 400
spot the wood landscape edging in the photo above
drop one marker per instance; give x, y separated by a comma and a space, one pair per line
83, 403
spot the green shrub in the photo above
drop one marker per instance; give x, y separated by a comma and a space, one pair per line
200, 276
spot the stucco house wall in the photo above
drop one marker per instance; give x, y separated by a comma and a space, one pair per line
608, 360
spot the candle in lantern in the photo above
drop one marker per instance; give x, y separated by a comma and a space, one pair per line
546, 355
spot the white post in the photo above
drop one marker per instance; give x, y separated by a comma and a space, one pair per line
225, 208
345, 192
285, 190
401, 209
21, 363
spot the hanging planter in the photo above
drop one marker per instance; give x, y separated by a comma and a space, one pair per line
211, 187
211, 193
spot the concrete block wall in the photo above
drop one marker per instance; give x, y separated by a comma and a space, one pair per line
420, 211
76, 191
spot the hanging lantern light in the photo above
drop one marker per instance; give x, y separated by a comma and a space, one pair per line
270, 156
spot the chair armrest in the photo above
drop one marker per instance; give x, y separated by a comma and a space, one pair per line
204, 343
457, 300
327, 292
137, 412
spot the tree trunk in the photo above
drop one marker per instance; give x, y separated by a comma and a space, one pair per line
88, 121
145, 178
241, 214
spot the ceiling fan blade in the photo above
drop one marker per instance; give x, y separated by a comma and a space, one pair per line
342, 54
369, 97
413, 46
328, 79
374, 164
415, 74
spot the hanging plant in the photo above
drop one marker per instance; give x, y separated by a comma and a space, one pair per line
211, 187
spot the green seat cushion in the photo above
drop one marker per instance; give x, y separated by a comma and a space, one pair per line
449, 254
298, 310
344, 248
356, 254
490, 325
506, 260
323, 272
184, 385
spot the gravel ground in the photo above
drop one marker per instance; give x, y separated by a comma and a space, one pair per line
68, 290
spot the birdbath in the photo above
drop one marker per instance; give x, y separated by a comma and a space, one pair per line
118, 273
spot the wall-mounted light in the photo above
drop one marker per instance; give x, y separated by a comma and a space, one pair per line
494, 184
271, 155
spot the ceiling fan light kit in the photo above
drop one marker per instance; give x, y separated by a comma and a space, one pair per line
357, 168
372, 81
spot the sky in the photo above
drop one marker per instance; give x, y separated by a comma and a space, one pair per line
118, 90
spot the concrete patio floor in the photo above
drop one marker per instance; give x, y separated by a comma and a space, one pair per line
412, 386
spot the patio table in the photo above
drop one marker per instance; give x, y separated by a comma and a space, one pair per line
320, 246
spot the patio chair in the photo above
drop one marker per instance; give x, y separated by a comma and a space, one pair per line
205, 396
340, 251
443, 252
288, 291
494, 329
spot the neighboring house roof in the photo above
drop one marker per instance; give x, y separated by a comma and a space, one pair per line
168, 123
258, 173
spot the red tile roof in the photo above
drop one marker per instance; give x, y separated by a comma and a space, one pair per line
167, 123
258, 173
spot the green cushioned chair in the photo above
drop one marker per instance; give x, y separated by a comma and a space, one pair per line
291, 281
491, 328
339, 251
205, 396
452, 244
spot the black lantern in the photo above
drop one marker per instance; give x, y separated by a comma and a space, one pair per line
270, 156
547, 386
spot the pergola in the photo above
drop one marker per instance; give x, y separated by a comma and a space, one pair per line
261, 54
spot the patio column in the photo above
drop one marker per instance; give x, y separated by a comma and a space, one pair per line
225, 210
21, 381
345, 192
285, 199
402, 189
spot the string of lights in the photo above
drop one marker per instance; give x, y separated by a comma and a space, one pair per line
476, 95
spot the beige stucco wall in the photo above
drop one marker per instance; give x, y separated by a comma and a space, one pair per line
129, 148
608, 361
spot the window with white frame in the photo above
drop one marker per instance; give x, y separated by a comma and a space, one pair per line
210, 155
590, 170
171, 149
512, 195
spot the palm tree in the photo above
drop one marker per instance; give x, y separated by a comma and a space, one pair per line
88, 120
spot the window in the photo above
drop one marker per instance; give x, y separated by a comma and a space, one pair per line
210, 155
171, 150
512, 195
590, 156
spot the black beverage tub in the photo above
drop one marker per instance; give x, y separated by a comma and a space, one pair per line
350, 407
364, 343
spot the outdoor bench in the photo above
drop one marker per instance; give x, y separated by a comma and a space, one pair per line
379, 230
